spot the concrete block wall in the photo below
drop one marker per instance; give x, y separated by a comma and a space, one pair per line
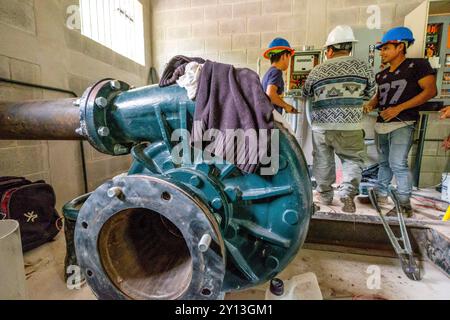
37, 47
238, 31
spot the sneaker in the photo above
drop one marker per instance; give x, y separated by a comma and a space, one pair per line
325, 200
349, 205
407, 212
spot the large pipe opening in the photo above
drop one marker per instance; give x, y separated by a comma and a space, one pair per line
145, 255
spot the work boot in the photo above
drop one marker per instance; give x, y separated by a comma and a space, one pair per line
407, 211
349, 204
326, 201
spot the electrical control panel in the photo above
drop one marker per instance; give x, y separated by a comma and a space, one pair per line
301, 65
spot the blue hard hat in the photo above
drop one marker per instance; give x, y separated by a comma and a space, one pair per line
278, 45
397, 35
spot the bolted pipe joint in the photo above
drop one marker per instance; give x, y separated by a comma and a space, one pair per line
165, 262
96, 111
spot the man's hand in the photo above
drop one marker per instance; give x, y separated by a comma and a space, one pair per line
391, 113
445, 113
368, 108
446, 144
291, 109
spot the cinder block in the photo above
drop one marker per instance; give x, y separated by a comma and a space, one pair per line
359, 3
219, 12
301, 6
233, 26
279, 6
245, 41
434, 164
77, 84
212, 56
317, 16
159, 33
15, 93
334, 4
427, 180
100, 171
437, 129
252, 57
202, 3
234, 57
295, 22
22, 161
349, 16
99, 51
262, 24
163, 19
191, 45
29, 143
18, 14
45, 175
431, 148
161, 5
222, 43
442, 152
188, 16
4, 67
206, 29
74, 40
7, 143
178, 32
246, 9
25, 71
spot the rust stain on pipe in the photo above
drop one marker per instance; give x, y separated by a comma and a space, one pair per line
39, 120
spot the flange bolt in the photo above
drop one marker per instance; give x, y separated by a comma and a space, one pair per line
103, 131
115, 192
101, 102
204, 243
115, 85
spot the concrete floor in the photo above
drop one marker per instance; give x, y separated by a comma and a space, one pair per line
340, 275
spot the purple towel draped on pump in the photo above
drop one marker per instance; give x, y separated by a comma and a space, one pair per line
229, 99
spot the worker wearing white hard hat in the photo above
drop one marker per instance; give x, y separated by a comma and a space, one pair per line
341, 35
337, 89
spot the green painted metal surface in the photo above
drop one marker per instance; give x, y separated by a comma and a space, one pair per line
263, 219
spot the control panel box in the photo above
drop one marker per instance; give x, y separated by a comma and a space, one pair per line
303, 62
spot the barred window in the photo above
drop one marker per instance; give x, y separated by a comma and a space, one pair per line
116, 24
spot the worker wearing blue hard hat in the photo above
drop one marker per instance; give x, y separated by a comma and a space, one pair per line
403, 87
279, 53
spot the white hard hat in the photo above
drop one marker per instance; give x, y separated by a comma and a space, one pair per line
341, 34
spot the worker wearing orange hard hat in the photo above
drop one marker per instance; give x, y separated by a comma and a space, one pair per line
279, 53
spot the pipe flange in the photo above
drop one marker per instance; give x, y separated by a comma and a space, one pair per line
95, 106
145, 239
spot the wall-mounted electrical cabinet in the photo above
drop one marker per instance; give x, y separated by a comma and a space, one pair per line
430, 23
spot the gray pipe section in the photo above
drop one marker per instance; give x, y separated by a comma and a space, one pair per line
39, 120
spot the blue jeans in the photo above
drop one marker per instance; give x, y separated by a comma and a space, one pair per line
393, 149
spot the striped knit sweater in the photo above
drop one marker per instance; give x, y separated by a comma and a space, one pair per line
338, 89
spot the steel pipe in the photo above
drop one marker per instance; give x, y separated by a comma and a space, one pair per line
40, 120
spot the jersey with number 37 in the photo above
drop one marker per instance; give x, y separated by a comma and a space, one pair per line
402, 85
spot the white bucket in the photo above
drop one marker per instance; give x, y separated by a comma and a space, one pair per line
446, 187
12, 269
